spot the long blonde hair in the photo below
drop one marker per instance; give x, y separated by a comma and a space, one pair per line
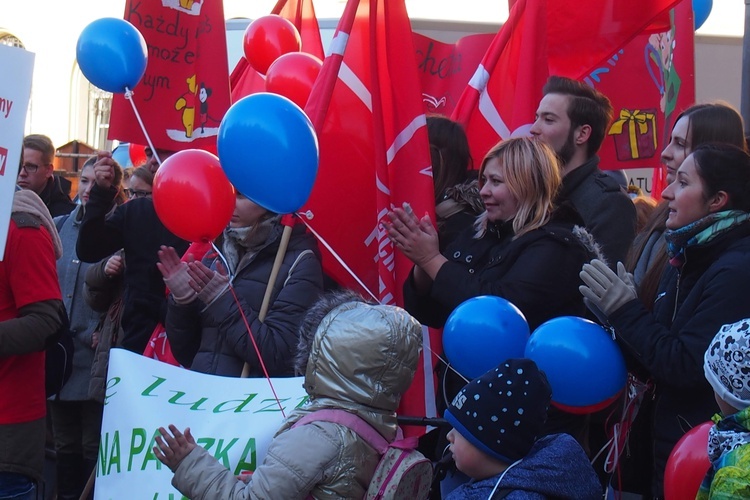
532, 174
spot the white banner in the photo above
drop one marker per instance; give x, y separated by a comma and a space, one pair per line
233, 418
15, 91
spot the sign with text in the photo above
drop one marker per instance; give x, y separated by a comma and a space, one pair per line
233, 418
184, 93
15, 91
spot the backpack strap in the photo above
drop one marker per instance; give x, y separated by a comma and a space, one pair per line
351, 421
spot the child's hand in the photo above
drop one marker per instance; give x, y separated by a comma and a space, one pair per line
172, 450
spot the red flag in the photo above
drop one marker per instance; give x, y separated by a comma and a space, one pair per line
374, 155
185, 91
244, 80
542, 38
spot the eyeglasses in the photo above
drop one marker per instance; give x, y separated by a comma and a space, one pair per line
137, 193
30, 168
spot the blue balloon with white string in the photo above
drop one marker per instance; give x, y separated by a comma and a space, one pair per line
112, 54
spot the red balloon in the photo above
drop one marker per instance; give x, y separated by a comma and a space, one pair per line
687, 464
192, 195
137, 154
268, 38
293, 76
584, 410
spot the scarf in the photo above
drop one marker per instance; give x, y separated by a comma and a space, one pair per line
727, 435
29, 202
240, 242
701, 232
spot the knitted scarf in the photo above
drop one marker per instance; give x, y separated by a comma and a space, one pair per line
29, 202
701, 232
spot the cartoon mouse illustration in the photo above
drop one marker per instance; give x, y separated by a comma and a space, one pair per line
203, 94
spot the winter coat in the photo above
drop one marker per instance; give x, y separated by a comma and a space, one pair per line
83, 319
362, 359
215, 340
135, 227
556, 467
710, 290
607, 211
103, 294
537, 272
456, 210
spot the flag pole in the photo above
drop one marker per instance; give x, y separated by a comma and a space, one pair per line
288, 222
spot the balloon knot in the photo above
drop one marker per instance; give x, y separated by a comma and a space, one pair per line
307, 215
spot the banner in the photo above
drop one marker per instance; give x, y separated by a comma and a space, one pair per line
543, 38
15, 92
233, 418
661, 66
184, 93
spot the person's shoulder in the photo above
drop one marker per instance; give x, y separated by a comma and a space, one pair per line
26, 220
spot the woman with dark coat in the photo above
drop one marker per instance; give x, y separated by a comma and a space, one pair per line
210, 300
703, 287
520, 249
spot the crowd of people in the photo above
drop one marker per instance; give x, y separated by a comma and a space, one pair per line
540, 225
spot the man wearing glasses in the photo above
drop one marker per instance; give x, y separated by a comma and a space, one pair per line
36, 174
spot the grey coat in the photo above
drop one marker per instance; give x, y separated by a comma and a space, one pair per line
83, 319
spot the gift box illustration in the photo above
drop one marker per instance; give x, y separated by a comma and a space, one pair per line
635, 134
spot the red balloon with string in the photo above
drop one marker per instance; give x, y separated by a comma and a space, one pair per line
268, 38
192, 196
293, 76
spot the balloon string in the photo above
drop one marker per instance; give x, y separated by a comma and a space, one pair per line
129, 97
224, 261
336, 256
308, 215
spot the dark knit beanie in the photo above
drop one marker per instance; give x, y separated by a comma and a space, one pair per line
502, 412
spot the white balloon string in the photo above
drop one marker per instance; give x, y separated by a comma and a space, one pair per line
309, 215
129, 97
224, 261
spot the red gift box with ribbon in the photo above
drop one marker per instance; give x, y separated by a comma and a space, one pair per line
635, 134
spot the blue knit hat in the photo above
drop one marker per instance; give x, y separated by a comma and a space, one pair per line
502, 412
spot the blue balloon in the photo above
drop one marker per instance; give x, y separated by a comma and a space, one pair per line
482, 332
112, 54
269, 151
701, 10
584, 366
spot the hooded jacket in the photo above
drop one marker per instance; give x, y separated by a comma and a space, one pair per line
362, 359
556, 467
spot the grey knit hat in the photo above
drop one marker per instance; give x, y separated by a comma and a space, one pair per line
502, 412
727, 364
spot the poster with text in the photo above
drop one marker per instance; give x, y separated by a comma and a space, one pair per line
233, 418
14, 102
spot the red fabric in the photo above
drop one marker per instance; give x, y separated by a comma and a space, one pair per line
244, 80
187, 49
27, 275
542, 38
374, 152
158, 347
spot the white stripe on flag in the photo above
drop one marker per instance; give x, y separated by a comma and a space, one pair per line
404, 136
355, 84
338, 44
489, 112
479, 79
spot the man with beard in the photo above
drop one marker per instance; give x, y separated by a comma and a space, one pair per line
573, 118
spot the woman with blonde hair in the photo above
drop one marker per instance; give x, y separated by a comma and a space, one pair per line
521, 248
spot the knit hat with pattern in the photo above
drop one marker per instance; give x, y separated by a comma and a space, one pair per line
727, 364
502, 412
